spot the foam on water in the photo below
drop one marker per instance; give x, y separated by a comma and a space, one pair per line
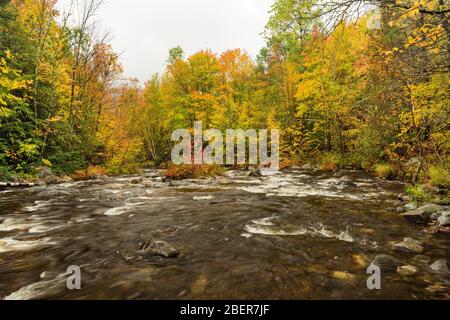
11, 244
38, 205
274, 231
202, 198
265, 226
12, 224
117, 211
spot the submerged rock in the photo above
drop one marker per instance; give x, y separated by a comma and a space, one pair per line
386, 263
360, 260
349, 184
342, 275
440, 267
158, 248
408, 245
422, 214
408, 270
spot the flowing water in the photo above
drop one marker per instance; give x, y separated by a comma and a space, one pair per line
292, 235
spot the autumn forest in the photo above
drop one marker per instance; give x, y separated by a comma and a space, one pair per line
360, 84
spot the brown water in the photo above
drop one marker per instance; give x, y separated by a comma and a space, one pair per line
287, 236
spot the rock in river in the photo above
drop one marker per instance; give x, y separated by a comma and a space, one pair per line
408, 245
386, 263
423, 214
255, 173
444, 219
411, 206
440, 267
158, 248
407, 270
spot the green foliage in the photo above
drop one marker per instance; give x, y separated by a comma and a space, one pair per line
329, 163
418, 193
384, 171
440, 175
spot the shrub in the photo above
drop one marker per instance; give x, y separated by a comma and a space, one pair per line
182, 172
329, 163
384, 171
418, 193
439, 176
89, 173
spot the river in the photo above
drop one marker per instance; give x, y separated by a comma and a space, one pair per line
291, 235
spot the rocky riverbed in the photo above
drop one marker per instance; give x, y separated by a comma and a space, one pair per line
292, 235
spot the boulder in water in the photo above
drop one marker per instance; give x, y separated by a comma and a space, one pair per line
255, 173
440, 267
422, 214
349, 184
386, 263
444, 219
408, 245
158, 248
410, 206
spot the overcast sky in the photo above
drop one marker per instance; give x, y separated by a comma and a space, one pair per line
144, 30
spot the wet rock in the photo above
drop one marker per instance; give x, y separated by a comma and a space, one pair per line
342, 275
400, 209
308, 166
438, 288
65, 179
440, 267
44, 172
407, 270
408, 245
444, 219
410, 206
386, 263
349, 184
421, 260
152, 174
255, 173
422, 214
405, 198
361, 260
436, 216
158, 248
398, 203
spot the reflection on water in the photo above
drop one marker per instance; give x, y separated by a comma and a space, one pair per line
292, 235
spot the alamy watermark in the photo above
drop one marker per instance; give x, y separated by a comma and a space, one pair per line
190, 150
73, 281
374, 281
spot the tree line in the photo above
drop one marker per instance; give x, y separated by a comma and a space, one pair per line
349, 83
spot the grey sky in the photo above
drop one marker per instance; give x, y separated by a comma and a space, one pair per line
144, 30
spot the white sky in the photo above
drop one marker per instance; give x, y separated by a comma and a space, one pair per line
144, 30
